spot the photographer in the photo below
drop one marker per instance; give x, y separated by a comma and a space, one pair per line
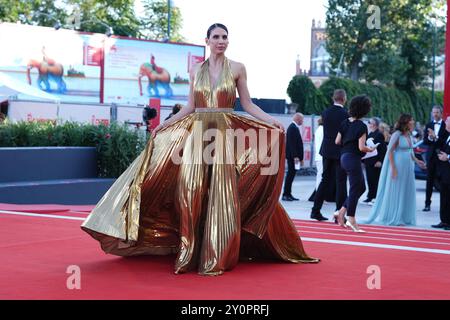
148, 114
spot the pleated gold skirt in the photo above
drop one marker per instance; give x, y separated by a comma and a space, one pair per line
198, 193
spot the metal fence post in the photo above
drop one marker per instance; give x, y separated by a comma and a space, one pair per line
113, 112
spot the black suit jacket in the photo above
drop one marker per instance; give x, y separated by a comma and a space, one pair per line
381, 149
432, 155
294, 143
444, 166
332, 119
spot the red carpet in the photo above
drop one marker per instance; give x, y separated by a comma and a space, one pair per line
36, 251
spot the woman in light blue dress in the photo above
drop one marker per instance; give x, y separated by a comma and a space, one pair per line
396, 197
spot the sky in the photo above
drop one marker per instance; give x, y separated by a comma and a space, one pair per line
265, 35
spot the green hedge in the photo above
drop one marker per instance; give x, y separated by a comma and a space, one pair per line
302, 91
117, 145
387, 102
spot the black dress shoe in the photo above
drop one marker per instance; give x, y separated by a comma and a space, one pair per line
427, 208
318, 217
440, 225
294, 199
287, 198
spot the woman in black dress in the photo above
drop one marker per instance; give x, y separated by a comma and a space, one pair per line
352, 135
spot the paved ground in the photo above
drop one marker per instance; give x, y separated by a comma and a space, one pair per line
303, 186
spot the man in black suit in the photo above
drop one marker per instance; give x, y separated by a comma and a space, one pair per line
331, 153
373, 164
294, 154
433, 131
444, 170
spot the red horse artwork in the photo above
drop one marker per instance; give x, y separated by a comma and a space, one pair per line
48, 69
157, 77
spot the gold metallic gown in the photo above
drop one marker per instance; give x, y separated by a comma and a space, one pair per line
171, 201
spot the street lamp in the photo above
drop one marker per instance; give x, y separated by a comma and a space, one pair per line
170, 4
434, 64
168, 19
338, 70
109, 31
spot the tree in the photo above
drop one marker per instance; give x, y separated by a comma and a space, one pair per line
94, 15
399, 52
40, 12
97, 15
347, 33
154, 24
415, 35
302, 91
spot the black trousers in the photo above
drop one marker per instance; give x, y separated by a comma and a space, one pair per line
373, 175
445, 203
289, 177
330, 166
351, 163
431, 175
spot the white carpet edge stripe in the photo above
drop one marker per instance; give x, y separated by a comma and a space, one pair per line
361, 235
346, 231
41, 215
376, 245
359, 244
379, 227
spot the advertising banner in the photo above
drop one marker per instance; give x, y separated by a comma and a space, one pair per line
32, 111
55, 61
307, 155
85, 114
137, 70
69, 65
306, 129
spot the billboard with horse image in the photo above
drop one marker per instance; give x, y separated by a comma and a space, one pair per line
137, 70
52, 60
93, 68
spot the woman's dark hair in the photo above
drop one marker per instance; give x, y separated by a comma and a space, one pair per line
215, 25
402, 123
359, 106
149, 113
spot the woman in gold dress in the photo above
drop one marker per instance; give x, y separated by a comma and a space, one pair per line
207, 185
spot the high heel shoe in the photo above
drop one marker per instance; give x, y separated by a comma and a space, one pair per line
354, 228
336, 219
